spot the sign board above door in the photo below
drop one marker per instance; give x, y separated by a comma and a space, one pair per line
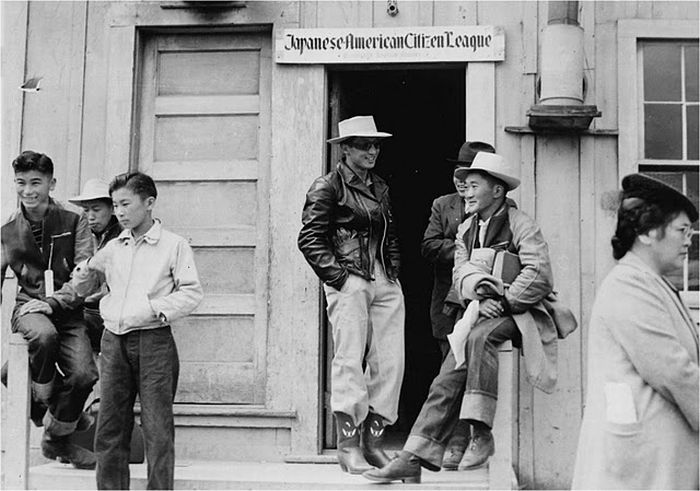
391, 45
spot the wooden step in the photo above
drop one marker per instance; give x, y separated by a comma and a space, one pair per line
253, 475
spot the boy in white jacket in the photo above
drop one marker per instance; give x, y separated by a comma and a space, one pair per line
152, 281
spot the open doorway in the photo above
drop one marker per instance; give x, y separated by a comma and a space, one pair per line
424, 108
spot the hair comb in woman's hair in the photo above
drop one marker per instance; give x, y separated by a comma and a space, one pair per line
632, 202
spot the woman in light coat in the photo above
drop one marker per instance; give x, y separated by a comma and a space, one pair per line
640, 422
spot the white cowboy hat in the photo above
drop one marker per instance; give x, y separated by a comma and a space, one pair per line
362, 126
93, 189
496, 166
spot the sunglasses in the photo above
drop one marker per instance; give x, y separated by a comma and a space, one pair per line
365, 144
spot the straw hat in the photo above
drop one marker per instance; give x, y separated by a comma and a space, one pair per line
655, 191
468, 151
93, 189
362, 126
496, 166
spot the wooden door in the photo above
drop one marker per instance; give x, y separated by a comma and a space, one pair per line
204, 111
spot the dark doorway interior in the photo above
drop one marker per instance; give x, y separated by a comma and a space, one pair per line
425, 111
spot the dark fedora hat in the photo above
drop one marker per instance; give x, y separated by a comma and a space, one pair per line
654, 191
468, 151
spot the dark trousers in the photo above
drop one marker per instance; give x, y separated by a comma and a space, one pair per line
441, 410
58, 340
95, 325
142, 362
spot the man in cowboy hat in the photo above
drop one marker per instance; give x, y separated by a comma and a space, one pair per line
349, 240
97, 205
514, 313
438, 247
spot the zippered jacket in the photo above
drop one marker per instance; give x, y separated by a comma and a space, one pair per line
67, 240
346, 227
152, 280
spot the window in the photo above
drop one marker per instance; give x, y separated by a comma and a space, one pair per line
658, 116
669, 99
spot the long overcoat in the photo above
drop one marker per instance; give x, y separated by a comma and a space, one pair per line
643, 346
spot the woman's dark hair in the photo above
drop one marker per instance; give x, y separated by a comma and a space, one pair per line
137, 182
635, 217
30, 160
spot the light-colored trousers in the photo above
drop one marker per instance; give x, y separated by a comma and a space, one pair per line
367, 321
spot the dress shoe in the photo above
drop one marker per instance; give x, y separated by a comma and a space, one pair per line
85, 421
480, 448
372, 440
352, 461
452, 458
404, 467
350, 455
59, 448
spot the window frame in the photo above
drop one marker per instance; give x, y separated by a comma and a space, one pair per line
630, 32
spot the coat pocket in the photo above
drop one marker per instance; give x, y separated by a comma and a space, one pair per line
625, 454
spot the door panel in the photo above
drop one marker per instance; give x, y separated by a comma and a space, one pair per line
203, 137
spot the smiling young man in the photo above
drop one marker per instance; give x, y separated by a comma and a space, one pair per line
41, 243
491, 222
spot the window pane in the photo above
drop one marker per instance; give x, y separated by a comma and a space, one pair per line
663, 136
673, 179
662, 72
693, 263
693, 132
691, 73
692, 185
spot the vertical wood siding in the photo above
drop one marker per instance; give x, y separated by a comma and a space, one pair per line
77, 119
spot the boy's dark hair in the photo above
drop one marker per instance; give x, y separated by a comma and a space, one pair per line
30, 160
138, 182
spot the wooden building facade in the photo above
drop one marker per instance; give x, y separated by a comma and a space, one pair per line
195, 97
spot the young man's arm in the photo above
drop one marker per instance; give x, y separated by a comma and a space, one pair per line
435, 247
188, 291
66, 298
535, 279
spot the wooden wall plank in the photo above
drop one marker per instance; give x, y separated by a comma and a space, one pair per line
52, 116
481, 102
120, 92
557, 415
13, 16
456, 13
95, 94
298, 149
410, 14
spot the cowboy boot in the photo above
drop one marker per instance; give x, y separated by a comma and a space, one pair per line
404, 467
372, 439
59, 448
456, 446
481, 447
350, 456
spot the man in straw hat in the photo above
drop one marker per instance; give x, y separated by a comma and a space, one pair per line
514, 313
97, 205
438, 247
349, 240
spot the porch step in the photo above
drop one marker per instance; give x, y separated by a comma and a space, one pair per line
252, 475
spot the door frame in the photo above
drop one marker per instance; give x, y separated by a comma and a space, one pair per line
480, 125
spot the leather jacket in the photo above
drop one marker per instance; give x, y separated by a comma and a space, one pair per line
343, 223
